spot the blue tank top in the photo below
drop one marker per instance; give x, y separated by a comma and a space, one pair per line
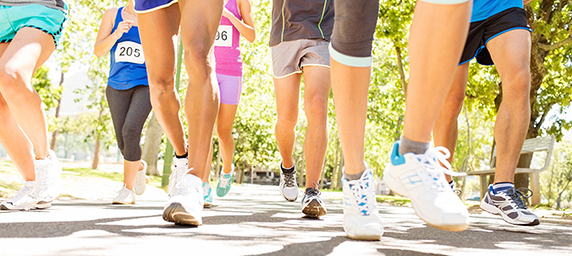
127, 68
483, 9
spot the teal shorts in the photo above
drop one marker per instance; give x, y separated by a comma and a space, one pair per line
13, 18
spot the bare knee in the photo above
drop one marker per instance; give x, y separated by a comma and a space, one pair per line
196, 54
8, 78
159, 88
516, 88
316, 109
287, 120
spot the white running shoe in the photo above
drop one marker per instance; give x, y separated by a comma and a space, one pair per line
48, 180
141, 179
312, 204
510, 205
421, 178
186, 206
361, 217
124, 196
23, 200
180, 169
288, 184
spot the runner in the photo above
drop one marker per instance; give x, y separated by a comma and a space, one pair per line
299, 41
29, 33
159, 21
127, 93
237, 20
350, 51
499, 35
414, 169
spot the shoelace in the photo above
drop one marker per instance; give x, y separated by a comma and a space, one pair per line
22, 192
359, 189
288, 179
432, 159
519, 197
224, 180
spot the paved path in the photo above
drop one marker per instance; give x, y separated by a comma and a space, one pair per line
255, 220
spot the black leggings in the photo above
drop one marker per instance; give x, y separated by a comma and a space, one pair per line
129, 110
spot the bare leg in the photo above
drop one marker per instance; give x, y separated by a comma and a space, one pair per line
157, 30
432, 70
287, 92
199, 24
316, 93
29, 49
351, 86
16, 143
130, 169
445, 132
511, 53
225, 121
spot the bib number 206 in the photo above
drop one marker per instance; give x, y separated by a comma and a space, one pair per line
223, 36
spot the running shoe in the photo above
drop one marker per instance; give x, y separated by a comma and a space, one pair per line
361, 217
180, 169
421, 178
141, 179
23, 200
48, 180
312, 204
510, 205
224, 183
207, 194
124, 196
288, 184
185, 207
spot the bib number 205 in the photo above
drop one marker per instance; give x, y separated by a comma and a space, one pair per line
128, 51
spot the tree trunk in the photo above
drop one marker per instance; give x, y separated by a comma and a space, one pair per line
340, 170
401, 70
152, 146
335, 171
95, 162
56, 131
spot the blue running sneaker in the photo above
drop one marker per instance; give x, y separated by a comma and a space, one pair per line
224, 183
207, 194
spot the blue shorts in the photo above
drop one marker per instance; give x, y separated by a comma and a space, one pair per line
230, 88
13, 18
143, 6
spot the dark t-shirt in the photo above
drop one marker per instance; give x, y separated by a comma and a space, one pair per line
301, 19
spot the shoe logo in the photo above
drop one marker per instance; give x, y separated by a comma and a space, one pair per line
410, 180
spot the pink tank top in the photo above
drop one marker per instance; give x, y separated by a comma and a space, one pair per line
227, 46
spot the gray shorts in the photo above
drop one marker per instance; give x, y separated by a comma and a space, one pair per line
290, 57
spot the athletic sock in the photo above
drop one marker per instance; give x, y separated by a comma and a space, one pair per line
289, 170
452, 184
353, 176
183, 156
502, 186
409, 146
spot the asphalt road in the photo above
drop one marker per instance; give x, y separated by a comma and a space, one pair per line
256, 220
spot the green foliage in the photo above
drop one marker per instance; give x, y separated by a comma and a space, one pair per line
557, 180
42, 84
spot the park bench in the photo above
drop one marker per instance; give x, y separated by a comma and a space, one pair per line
530, 146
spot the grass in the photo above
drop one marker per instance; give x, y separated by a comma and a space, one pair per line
393, 200
88, 172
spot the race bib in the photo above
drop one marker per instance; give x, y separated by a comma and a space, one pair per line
223, 36
128, 51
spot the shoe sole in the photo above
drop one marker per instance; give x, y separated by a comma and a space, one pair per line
176, 213
314, 210
207, 205
364, 238
388, 179
122, 203
494, 210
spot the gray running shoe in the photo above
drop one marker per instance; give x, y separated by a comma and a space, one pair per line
288, 185
312, 204
510, 205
